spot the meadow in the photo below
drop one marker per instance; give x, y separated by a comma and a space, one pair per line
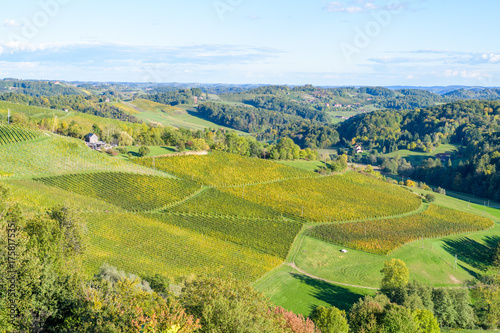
386, 235
130, 191
344, 197
222, 169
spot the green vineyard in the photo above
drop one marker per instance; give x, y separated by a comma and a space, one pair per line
60, 155
144, 245
345, 197
223, 169
385, 236
271, 236
130, 191
13, 134
214, 202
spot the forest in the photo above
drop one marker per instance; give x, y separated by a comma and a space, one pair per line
471, 125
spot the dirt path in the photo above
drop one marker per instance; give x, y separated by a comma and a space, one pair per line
325, 280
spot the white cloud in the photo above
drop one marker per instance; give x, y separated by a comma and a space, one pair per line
11, 23
353, 6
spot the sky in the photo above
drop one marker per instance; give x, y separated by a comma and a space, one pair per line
329, 43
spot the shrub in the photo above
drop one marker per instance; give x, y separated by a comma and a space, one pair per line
430, 197
144, 151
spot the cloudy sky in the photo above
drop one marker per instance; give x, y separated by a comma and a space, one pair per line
344, 42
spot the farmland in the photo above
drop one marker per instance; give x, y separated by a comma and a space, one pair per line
223, 169
344, 197
271, 236
130, 191
52, 154
385, 236
14, 134
215, 202
141, 244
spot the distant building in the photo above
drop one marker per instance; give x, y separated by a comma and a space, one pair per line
444, 157
93, 142
359, 149
338, 105
91, 138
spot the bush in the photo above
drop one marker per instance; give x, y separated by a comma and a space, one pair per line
440, 190
430, 197
144, 151
112, 152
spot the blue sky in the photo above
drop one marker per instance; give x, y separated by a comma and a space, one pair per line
344, 42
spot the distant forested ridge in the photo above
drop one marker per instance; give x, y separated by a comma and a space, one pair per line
91, 104
474, 126
38, 88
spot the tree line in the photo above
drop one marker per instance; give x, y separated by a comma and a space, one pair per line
472, 126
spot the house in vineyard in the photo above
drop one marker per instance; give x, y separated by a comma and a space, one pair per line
92, 141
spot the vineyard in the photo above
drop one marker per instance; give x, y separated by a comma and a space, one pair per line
223, 169
130, 191
29, 110
60, 155
385, 236
139, 244
271, 236
214, 202
13, 134
345, 197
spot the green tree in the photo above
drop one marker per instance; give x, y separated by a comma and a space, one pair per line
495, 260
144, 151
396, 274
365, 315
125, 139
444, 309
330, 320
397, 319
425, 321
228, 306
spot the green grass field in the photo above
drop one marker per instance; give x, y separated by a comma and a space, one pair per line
311, 166
301, 294
167, 115
416, 157
154, 151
